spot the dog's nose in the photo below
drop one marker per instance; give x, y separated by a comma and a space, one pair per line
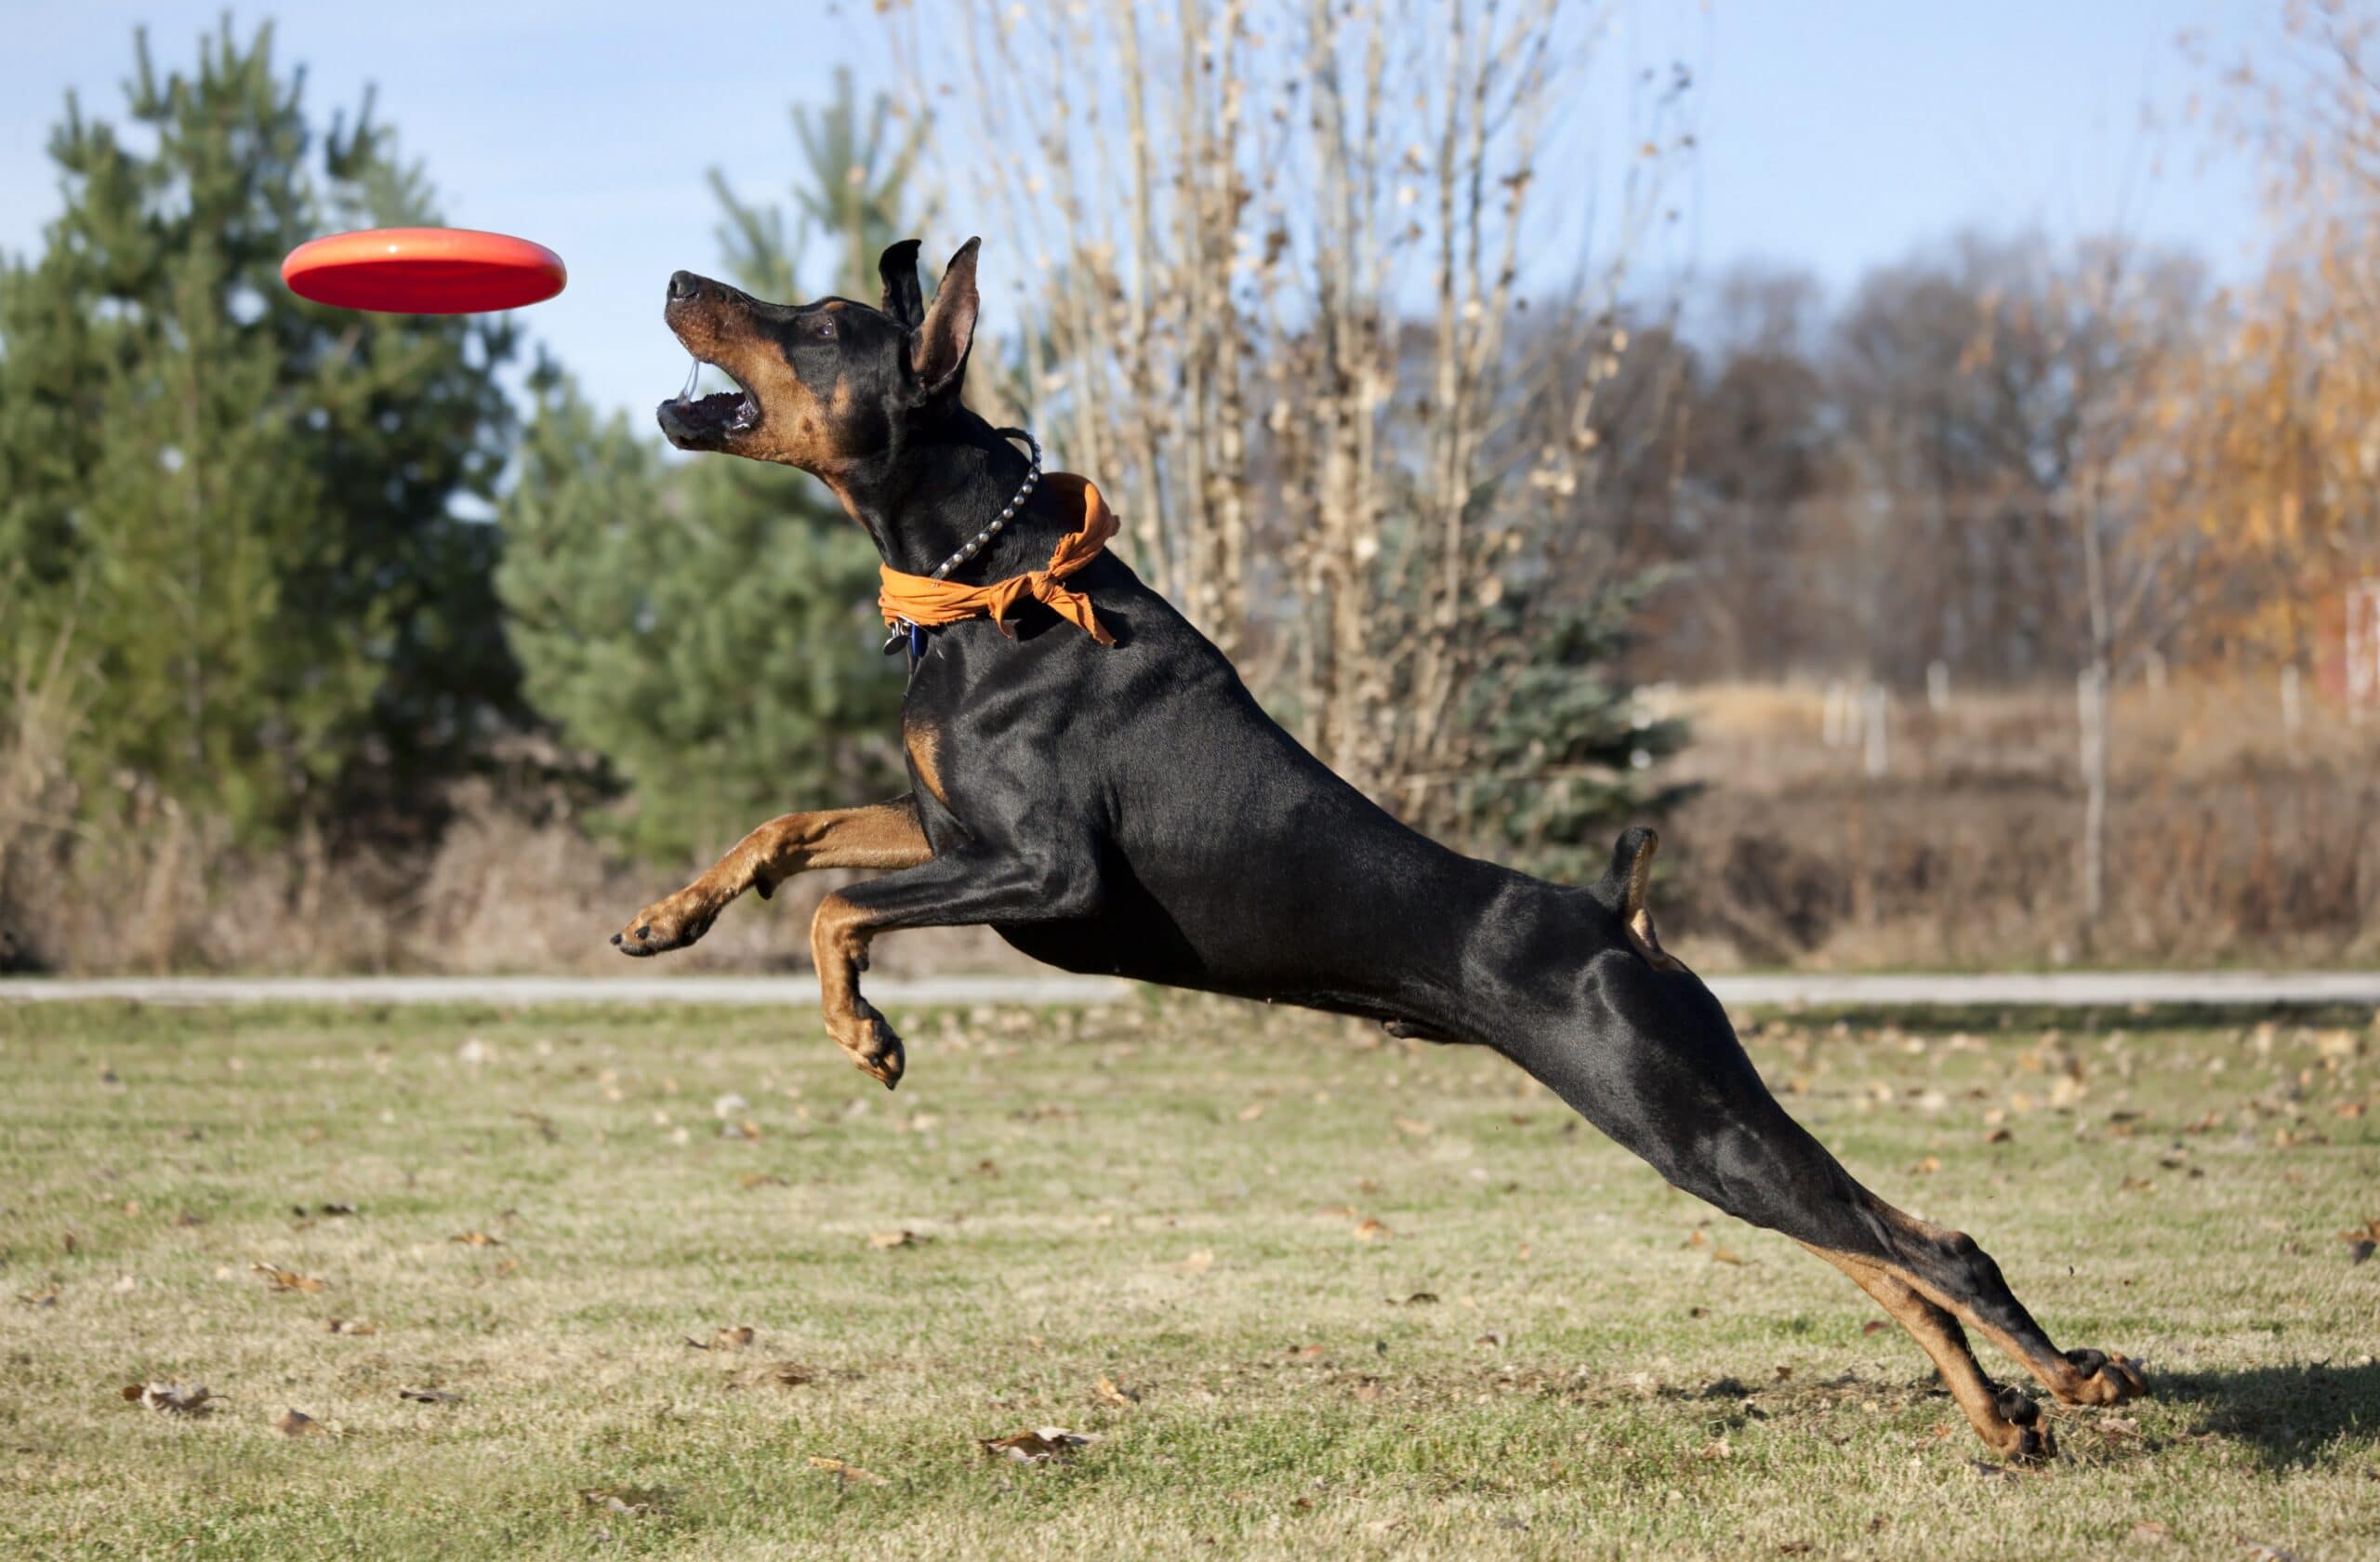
685, 284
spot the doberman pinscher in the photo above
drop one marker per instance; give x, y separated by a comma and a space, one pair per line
1129, 809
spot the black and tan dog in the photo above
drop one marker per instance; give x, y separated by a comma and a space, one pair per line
1129, 809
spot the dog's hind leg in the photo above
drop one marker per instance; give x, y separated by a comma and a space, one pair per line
1646, 1054
882, 835
1703, 1119
1948, 1268
2003, 1418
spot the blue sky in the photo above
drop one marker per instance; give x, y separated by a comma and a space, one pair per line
1836, 134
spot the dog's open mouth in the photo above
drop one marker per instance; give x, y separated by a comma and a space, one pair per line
688, 416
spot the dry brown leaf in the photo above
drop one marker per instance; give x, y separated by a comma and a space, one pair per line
902, 1238
477, 1240
1493, 1340
760, 1180
1108, 1391
1037, 1447
1998, 1136
1697, 1237
430, 1396
1419, 1299
736, 1339
1370, 1230
1927, 1167
350, 1326
1726, 1255
846, 1473
792, 1374
1252, 1111
1200, 1262
297, 1424
46, 1298
2150, 1530
1415, 1127
172, 1398
279, 1278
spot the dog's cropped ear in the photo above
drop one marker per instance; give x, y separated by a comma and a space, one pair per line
1623, 892
938, 347
904, 301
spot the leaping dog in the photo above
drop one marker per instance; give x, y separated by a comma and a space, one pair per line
1089, 777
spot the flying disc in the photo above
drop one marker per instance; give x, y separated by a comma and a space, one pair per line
424, 271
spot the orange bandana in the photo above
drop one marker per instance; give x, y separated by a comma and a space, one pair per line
928, 604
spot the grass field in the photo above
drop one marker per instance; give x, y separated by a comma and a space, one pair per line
1310, 1292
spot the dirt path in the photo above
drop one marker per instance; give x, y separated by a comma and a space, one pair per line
2070, 989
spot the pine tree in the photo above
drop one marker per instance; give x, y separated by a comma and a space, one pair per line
1564, 750
711, 650
244, 504
706, 628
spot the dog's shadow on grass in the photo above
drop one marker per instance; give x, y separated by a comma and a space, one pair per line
2290, 1415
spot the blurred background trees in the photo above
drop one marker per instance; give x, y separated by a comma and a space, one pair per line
237, 515
706, 629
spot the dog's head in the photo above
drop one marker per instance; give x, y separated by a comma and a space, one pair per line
821, 385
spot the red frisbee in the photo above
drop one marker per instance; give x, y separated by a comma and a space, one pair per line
424, 271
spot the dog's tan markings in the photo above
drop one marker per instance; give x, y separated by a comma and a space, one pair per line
882, 835
839, 938
2021, 1436
925, 756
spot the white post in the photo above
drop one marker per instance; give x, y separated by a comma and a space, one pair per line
2090, 706
1877, 758
2293, 706
1834, 721
1938, 686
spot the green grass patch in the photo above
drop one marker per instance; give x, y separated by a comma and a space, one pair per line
1347, 1297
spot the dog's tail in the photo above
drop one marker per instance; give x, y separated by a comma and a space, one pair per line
1623, 892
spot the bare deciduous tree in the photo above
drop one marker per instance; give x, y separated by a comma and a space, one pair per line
1276, 250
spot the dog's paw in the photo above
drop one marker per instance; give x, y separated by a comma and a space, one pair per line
874, 1046
2026, 1437
2107, 1378
666, 925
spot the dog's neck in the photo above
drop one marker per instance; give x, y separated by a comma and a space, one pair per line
926, 497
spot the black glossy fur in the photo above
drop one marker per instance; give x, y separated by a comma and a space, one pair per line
1131, 810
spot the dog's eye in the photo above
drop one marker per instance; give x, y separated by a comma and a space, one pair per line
823, 325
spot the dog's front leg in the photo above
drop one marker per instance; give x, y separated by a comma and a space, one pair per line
978, 885
880, 835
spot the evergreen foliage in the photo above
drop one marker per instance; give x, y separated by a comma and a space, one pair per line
1564, 750
706, 628
242, 506
707, 641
